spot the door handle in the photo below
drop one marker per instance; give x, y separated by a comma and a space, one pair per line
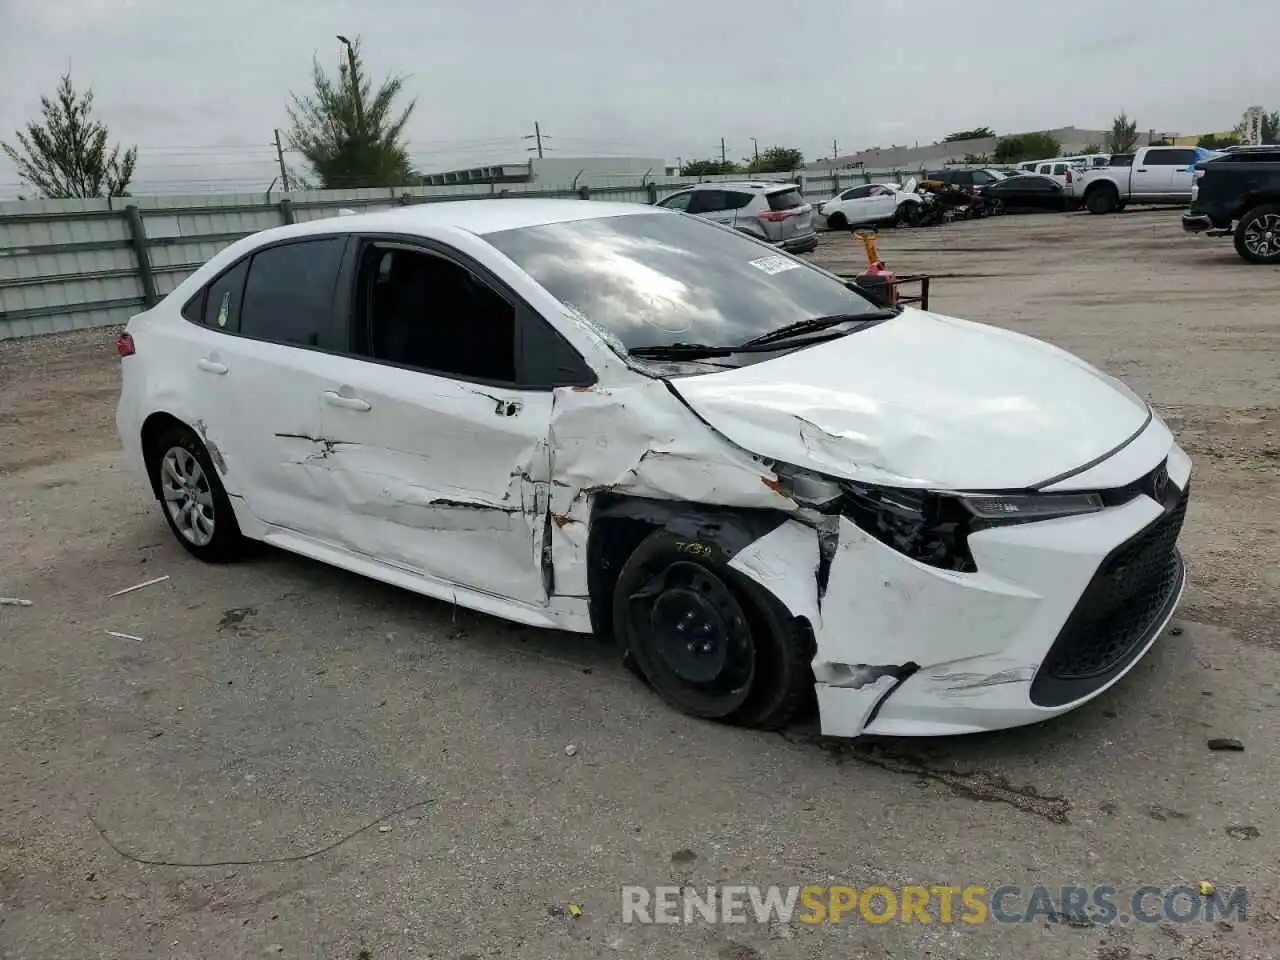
335, 399
1142, 169
211, 366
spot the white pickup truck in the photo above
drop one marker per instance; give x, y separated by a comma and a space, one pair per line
1154, 175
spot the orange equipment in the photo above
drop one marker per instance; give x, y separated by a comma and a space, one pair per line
879, 280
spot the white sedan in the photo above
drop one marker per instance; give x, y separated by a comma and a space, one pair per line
614, 419
871, 203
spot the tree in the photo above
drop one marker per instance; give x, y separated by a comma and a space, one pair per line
977, 133
1025, 146
1211, 141
777, 160
1093, 147
1124, 134
67, 155
707, 168
350, 136
973, 158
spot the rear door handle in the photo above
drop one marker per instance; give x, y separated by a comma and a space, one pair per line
211, 366
335, 399
1142, 169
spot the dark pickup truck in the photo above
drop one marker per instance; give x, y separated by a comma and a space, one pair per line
1238, 195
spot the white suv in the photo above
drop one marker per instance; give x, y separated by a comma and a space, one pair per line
606, 417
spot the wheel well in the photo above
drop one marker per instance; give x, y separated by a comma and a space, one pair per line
152, 429
1101, 185
1256, 200
619, 524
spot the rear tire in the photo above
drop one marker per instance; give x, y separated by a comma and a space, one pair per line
1257, 235
711, 642
1103, 199
837, 221
192, 498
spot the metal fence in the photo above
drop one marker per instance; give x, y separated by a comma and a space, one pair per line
73, 264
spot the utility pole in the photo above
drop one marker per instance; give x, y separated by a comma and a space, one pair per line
835, 149
284, 174
355, 80
537, 137
723, 161
755, 146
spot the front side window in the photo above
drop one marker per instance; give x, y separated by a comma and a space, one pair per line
288, 294
646, 280
419, 310
857, 193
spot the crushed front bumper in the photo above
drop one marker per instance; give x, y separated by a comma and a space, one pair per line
1058, 611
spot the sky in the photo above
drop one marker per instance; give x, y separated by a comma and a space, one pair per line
200, 87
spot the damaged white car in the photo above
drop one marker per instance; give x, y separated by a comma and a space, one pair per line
605, 417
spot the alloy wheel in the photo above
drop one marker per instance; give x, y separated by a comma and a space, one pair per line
187, 495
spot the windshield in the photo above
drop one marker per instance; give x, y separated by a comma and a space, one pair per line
653, 279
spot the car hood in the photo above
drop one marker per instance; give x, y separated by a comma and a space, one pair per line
923, 400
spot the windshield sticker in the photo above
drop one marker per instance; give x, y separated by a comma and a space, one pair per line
774, 264
224, 309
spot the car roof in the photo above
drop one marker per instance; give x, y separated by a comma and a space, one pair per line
474, 216
746, 185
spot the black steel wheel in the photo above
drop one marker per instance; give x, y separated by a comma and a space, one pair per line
711, 642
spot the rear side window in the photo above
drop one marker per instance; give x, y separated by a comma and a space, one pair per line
288, 295
736, 200
785, 200
1170, 158
223, 299
707, 201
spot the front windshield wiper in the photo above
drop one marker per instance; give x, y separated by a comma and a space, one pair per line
815, 324
703, 351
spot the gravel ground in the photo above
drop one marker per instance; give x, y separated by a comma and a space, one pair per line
267, 711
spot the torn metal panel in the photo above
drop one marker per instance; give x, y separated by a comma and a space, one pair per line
455, 489
639, 441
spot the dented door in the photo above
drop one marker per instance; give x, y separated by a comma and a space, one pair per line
443, 477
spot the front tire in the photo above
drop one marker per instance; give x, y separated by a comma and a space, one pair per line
710, 641
1257, 235
192, 498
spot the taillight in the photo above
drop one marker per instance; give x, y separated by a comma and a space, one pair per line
1069, 178
124, 345
775, 215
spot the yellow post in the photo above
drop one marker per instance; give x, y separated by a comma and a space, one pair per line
868, 239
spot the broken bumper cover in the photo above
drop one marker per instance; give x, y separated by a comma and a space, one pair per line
1057, 612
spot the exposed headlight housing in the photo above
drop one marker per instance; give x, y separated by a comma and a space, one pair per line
929, 526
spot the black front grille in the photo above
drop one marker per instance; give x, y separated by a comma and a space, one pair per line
1131, 592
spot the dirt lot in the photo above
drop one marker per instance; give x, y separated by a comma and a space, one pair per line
271, 709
